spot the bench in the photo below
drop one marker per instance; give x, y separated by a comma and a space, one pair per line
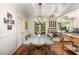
26, 37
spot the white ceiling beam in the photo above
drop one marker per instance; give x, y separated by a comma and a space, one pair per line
71, 8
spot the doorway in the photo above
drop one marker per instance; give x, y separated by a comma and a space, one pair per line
19, 28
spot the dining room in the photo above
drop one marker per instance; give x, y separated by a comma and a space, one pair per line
39, 29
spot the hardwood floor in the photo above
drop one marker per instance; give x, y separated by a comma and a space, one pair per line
22, 50
56, 49
32, 50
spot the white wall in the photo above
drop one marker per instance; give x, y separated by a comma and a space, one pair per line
30, 29
9, 38
75, 21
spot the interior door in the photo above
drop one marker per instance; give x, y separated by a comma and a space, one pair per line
19, 32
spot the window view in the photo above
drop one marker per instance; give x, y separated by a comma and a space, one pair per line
40, 27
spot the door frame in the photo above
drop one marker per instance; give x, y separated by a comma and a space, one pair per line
21, 33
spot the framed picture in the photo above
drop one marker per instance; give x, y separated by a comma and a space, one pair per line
25, 23
11, 21
9, 27
6, 20
9, 15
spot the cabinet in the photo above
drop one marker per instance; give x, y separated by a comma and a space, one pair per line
52, 26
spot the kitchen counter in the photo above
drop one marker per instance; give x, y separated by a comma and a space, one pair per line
72, 34
74, 38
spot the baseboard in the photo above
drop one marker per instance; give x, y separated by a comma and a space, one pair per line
11, 53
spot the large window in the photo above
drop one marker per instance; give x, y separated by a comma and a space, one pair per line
40, 27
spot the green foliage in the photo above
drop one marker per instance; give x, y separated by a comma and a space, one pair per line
43, 26
62, 26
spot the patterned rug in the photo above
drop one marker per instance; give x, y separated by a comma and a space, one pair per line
33, 50
36, 50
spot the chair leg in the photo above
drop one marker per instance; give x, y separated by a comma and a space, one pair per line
76, 48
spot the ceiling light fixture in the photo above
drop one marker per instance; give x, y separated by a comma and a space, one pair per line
40, 10
39, 16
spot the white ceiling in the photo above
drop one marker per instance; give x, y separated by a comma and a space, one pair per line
47, 9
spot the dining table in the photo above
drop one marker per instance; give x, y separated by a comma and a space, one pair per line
39, 40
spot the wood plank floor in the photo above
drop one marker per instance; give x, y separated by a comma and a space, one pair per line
58, 49
22, 50
55, 50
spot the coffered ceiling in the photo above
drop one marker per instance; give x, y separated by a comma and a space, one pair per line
45, 9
